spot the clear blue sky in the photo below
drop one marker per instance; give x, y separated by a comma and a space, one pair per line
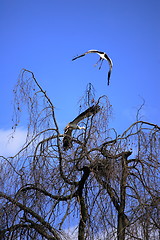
44, 35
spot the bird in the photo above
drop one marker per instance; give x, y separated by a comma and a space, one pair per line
103, 56
67, 140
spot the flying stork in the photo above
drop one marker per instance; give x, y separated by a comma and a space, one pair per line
103, 56
67, 141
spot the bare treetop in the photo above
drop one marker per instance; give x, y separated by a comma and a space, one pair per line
105, 186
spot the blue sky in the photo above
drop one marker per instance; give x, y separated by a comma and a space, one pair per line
44, 35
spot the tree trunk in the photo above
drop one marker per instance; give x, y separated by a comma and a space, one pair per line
122, 218
121, 227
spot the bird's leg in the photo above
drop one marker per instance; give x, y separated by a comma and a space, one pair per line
101, 63
97, 62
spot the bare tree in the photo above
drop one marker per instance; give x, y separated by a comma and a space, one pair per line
106, 185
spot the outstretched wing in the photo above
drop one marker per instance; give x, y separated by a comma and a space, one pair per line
87, 113
67, 140
94, 51
110, 66
109, 75
82, 55
78, 56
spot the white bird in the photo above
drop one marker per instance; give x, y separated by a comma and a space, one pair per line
103, 56
67, 141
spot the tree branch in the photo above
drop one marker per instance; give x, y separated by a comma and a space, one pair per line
35, 215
